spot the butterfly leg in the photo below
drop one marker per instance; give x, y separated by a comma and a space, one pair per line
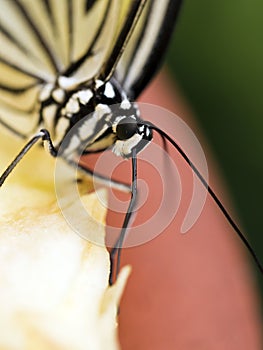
43, 135
119, 243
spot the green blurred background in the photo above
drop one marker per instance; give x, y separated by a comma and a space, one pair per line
217, 58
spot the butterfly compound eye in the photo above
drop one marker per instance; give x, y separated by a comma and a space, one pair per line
126, 128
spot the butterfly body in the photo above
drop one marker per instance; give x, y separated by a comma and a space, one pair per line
86, 119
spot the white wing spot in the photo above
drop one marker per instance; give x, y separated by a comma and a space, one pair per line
109, 91
72, 106
58, 95
85, 96
98, 83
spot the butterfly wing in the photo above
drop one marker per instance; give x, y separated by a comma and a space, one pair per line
42, 40
79, 40
145, 50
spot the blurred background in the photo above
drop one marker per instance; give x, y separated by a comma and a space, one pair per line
216, 57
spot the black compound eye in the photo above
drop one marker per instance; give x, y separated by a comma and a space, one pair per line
126, 128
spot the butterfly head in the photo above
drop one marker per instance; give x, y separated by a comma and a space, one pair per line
129, 130
131, 134
125, 130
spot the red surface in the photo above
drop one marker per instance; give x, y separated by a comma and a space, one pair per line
192, 291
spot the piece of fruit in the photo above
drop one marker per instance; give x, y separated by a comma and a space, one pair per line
54, 291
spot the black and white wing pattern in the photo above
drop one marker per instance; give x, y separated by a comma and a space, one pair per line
76, 40
42, 40
144, 53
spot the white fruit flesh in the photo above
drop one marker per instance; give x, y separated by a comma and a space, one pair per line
54, 291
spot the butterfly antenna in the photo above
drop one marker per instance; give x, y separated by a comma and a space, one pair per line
119, 243
210, 191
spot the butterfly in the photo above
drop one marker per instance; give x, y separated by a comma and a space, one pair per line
69, 73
